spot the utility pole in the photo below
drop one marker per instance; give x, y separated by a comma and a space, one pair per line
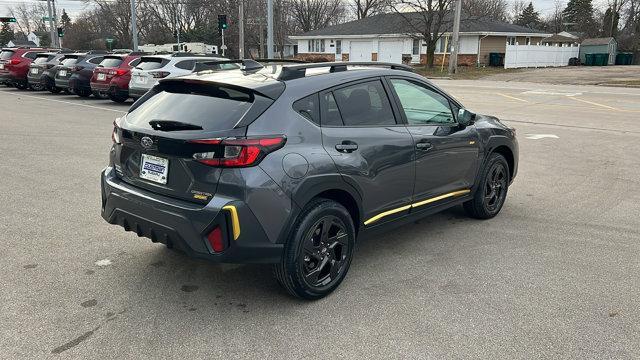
177, 32
270, 29
51, 28
453, 59
134, 29
55, 24
241, 29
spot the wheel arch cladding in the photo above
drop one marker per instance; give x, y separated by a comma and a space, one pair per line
508, 155
345, 199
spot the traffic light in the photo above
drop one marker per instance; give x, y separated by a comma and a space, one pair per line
7, 19
222, 22
60, 32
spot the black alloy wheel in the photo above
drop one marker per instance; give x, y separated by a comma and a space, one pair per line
492, 190
324, 252
495, 187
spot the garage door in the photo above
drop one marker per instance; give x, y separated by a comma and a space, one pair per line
360, 51
390, 51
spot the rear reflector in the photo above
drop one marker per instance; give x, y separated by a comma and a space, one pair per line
237, 152
215, 240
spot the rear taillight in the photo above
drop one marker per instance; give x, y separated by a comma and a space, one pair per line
159, 74
77, 68
216, 240
14, 61
237, 152
118, 72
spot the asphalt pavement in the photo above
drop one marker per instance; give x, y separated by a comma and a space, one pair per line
555, 275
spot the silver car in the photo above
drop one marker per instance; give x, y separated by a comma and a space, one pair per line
152, 68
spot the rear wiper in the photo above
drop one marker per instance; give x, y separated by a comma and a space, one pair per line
169, 125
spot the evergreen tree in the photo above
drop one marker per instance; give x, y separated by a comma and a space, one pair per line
607, 28
6, 34
579, 15
529, 17
65, 20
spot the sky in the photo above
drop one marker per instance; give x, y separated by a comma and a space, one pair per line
74, 7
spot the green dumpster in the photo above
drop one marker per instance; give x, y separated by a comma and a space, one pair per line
624, 58
601, 59
588, 59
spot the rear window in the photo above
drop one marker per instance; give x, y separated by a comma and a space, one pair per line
151, 63
41, 59
212, 108
111, 62
68, 61
6, 54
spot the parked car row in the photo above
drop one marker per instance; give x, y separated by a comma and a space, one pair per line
117, 76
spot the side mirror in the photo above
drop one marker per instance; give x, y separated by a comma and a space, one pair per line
465, 117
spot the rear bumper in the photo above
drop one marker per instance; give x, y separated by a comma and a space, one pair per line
137, 92
62, 83
6, 77
100, 86
185, 225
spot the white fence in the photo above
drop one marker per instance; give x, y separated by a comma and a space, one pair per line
523, 56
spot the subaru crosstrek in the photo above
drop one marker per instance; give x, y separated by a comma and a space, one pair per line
289, 164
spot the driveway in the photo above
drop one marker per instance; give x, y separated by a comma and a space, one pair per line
575, 75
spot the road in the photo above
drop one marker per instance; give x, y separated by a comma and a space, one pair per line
555, 275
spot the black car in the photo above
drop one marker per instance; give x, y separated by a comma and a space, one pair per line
40, 74
75, 71
289, 164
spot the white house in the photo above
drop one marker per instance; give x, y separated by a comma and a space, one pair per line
390, 38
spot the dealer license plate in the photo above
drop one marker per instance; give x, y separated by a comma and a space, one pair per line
154, 168
34, 71
62, 73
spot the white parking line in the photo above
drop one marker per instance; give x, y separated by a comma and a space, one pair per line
61, 101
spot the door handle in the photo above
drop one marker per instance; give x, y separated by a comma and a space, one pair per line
424, 146
347, 147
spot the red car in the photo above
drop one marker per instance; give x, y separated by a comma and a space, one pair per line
14, 65
112, 75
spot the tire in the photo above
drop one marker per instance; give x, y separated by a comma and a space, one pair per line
100, 95
21, 86
55, 90
117, 98
318, 252
492, 190
83, 93
36, 87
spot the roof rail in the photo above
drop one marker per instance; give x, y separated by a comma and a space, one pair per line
299, 71
180, 54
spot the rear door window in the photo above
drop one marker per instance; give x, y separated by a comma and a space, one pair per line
96, 60
363, 104
212, 108
111, 62
6, 54
151, 63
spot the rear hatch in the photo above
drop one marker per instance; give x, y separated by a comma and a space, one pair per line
66, 66
39, 64
107, 69
148, 71
158, 143
5, 57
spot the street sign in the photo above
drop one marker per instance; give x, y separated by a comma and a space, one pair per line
7, 19
46, 18
109, 40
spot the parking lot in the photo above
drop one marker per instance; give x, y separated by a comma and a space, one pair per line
555, 275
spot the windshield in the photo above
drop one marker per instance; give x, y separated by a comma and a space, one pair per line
6, 54
151, 63
111, 62
209, 107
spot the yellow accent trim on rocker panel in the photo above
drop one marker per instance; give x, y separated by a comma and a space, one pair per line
419, 203
235, 221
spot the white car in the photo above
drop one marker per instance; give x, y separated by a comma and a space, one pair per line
152, 68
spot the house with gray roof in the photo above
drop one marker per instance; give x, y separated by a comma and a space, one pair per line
393, 38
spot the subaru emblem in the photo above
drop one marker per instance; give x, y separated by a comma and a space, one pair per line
146, 142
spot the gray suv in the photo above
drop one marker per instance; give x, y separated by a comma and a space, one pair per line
289, 164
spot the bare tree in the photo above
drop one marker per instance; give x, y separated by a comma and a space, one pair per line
517, 7
316, 14
426, 20
486, 9
366, 8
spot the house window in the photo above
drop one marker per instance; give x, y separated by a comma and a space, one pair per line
338, 46
316, 46
444, 44
511, 40
416, 47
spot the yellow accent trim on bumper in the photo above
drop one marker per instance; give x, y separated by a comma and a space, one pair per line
235, 220
420, 203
